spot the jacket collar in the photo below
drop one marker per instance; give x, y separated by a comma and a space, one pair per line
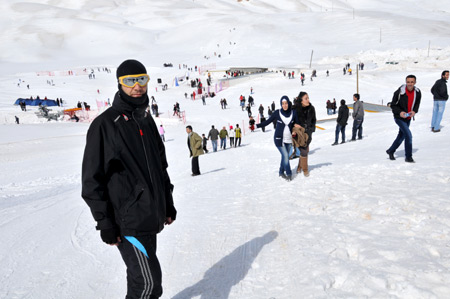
403, 89
124, 106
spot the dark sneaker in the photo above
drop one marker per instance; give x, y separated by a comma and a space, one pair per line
343, 141
353, 139
436, 131
410, 160
283, 176
391, 155
359, 138
335, 143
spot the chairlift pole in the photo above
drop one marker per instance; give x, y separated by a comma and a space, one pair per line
357, 78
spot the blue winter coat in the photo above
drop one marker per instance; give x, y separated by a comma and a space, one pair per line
278, 136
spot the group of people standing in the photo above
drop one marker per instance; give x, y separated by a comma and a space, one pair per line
343, 115
296, 123
124, 175
331, 107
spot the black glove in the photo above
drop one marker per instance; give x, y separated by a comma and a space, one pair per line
109, 236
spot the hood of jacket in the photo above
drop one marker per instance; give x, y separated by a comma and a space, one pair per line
287, 112
403, 89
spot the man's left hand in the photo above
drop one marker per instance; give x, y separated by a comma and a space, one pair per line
169, 221
412, 113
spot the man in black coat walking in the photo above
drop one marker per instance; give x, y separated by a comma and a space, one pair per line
125, 181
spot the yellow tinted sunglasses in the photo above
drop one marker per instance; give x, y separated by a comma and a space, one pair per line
132, 80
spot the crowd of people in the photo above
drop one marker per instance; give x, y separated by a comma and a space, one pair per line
133, 230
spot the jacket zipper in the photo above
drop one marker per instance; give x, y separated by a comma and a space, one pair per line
145, 154
141, 133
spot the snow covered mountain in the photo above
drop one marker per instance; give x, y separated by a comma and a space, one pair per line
75, 32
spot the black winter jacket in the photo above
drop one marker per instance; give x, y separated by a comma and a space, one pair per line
342, 115
439, 90
400, 102
124, 176
307, 119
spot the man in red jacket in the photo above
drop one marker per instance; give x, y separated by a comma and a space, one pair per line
405, 104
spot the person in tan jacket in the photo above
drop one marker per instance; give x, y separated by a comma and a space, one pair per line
195, 148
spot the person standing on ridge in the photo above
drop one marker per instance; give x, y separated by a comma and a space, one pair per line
223, 134
213, 135
195, 143
358, 117
341, 122
440, 97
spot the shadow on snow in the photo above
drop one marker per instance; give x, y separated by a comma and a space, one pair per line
229, 271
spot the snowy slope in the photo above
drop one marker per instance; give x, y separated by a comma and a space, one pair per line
276, 33
361, 226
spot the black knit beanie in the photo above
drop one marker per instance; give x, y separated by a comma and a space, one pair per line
130, 67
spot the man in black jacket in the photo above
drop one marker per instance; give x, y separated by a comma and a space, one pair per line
440, 96
405, 104
341, 122
125, 181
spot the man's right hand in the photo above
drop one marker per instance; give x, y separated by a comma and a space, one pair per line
110, 236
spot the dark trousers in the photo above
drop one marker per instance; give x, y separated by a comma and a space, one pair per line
357, 127
236, 143
231, 141
195, 166
404, 134
340, 129
143, 273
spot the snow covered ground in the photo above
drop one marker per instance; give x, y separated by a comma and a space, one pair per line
361, 226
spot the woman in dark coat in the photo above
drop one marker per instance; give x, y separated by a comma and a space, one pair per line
306, 118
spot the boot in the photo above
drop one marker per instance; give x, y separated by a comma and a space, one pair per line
304, 165
299, 167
